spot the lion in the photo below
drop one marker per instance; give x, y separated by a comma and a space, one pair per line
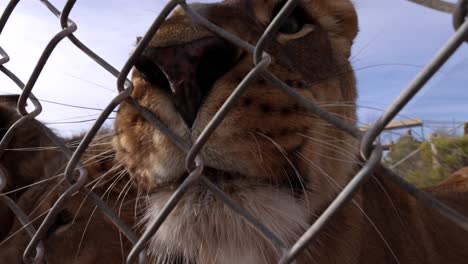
80, 233
280, 162
458, 181
23, 161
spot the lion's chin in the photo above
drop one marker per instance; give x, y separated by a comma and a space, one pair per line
202, 227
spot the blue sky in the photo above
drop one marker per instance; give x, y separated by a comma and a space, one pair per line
405, 37
396, 39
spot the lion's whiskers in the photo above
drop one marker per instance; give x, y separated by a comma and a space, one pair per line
338, 187
47, 195
69, 144
90, 161
99, 180
296, 171
23, 227
120, 210
32, 184
116, 178
89, 192
84, 232
335, 148
141, 203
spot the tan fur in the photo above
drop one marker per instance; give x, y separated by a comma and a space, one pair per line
267, 140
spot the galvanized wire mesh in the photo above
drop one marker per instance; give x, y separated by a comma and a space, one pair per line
371, 150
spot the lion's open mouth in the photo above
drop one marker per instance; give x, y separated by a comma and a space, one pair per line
188, 71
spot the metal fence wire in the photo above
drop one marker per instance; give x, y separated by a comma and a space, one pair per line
371, 150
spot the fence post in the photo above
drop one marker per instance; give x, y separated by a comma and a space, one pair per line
435, 157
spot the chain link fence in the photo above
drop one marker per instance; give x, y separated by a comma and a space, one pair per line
371, 151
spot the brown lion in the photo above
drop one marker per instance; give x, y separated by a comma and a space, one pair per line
277, 160
80, 233
23, 161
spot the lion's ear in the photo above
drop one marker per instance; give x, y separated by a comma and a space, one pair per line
343, 22
346, 16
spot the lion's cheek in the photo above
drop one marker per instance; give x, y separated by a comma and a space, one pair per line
166, 161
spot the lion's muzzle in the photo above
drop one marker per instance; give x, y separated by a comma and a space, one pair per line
188, 70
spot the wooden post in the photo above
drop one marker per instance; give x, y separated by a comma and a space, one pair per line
409, 133
435, 157
466, 129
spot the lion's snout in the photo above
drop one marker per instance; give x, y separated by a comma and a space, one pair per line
187, 71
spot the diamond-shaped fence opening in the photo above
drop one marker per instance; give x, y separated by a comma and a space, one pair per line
371, 150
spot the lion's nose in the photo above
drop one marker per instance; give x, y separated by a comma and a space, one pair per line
188, 71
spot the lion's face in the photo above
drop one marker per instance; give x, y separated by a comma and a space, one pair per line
271, 155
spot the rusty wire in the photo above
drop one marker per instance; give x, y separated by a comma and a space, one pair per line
371, 151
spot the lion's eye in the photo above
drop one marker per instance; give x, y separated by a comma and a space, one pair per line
290, 26
295, 23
